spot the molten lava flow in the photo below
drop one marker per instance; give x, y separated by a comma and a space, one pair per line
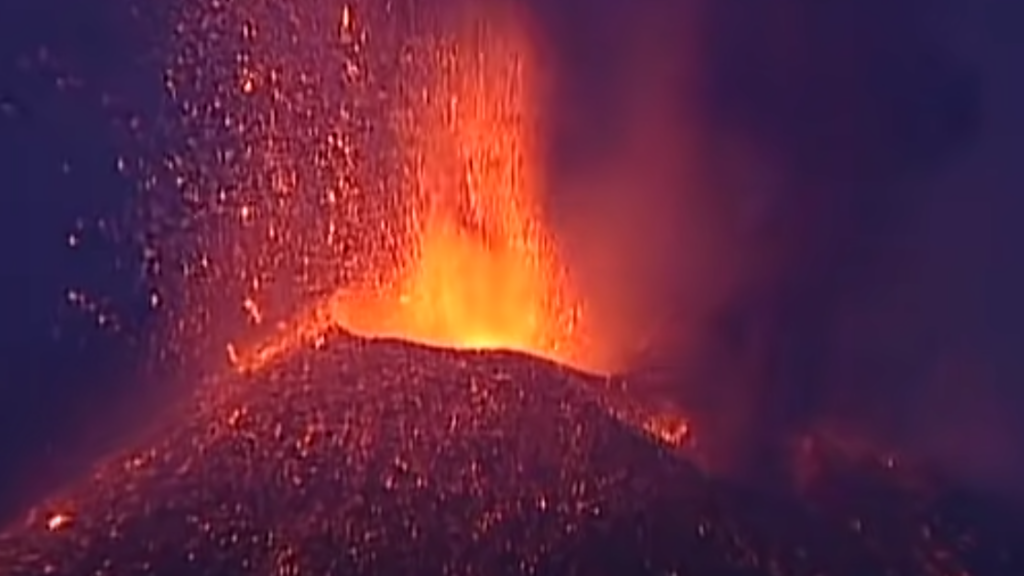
477, 268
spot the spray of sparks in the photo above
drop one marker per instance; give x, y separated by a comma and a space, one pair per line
371, 167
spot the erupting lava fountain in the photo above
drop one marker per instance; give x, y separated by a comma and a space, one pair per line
387, 180
381, 162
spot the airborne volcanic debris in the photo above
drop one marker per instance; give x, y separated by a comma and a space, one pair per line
383, 457
365, 165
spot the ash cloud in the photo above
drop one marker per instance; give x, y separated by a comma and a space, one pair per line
801, 209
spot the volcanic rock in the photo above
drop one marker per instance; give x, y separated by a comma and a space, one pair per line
384, 457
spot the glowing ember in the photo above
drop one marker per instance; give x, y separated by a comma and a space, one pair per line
57, 521
672, 430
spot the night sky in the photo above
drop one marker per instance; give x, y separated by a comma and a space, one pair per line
895, 304
67, 71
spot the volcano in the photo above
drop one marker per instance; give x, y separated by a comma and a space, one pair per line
379, 456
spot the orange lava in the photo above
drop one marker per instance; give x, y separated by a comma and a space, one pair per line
481, 272
476, 267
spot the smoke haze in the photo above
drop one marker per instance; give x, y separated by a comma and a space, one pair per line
802, 210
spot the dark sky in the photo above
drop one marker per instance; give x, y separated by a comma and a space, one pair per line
914, 288
962, 250
71, 77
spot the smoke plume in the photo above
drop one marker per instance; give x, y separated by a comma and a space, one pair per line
762, 199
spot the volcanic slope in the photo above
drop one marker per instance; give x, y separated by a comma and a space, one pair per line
384, 457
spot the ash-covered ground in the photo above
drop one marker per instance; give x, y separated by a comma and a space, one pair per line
384, 457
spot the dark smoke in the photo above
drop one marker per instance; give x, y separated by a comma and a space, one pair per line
796, 202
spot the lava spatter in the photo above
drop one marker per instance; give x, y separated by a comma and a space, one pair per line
365, 458
372, 166
385, 457
288, 186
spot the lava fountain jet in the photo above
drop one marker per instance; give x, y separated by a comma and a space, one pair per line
485, 273
479, 269
405, 203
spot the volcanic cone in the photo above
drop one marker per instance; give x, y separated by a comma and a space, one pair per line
364, 456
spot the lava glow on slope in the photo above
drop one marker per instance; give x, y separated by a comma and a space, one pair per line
380, 173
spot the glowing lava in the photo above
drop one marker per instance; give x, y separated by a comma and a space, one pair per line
482, 272
474, 264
